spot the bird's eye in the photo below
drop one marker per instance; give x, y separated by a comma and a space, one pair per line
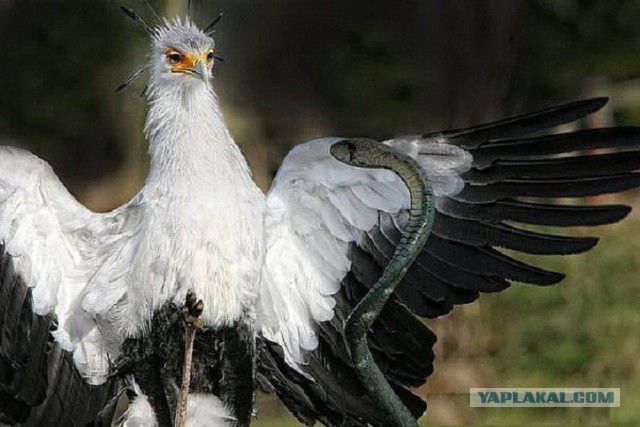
174, 58
210, 56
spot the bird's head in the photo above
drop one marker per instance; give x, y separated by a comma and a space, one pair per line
182, 54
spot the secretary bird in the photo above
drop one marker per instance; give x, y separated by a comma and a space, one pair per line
91, 304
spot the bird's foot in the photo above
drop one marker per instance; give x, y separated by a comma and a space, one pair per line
192, 310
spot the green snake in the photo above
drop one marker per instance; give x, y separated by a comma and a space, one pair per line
372, 154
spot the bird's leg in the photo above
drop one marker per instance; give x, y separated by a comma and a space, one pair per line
191, 312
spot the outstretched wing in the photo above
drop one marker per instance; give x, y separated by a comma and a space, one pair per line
50, 243
332, 229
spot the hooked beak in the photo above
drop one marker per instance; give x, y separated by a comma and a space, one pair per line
198, 69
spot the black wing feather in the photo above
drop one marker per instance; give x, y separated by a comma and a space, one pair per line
525, 124
475, 233
549, 188
562, 167
533, 213
561, 143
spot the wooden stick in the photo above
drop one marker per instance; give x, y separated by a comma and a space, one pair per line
181, 411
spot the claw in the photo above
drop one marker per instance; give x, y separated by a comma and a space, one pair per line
192, 310
197, 309
191, 299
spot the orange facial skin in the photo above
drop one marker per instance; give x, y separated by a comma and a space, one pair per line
185, 63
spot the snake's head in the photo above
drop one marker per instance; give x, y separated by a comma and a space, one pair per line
361, 152
345, 151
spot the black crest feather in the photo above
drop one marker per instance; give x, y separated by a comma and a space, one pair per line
137, 19
210, 28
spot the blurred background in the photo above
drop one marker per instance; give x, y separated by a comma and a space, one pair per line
296, 70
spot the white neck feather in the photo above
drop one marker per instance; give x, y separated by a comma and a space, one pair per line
189, 144
205, 212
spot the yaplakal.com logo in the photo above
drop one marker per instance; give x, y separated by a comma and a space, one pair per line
544, 397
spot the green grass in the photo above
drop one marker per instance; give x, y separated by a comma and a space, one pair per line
584, 332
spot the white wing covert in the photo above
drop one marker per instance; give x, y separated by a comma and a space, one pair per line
55, 243
49, 235
51, 247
